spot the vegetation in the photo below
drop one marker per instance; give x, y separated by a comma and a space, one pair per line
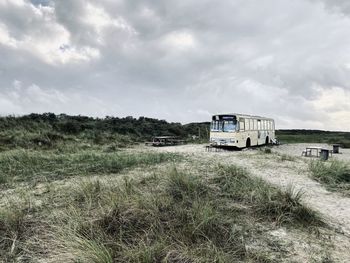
314, 136
48, 131
335, 174
72, 190
171, 216
36, 166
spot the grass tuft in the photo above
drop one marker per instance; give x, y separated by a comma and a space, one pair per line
23, 165
286, 157
273, 204
12, 230
334, 174
178, 217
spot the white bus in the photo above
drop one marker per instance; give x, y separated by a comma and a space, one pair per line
239, 130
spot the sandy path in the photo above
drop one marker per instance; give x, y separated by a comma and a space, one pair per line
333, 206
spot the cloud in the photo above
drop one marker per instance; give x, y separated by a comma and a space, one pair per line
40, 35
179, 41
179, 60
18, 98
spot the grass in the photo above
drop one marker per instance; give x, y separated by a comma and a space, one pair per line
24, 165
314, 136
216, 214
13, 229
286, 157
271, 203
334, 174
280, 157
175, 217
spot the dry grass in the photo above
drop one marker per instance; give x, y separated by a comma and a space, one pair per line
334, 174
211, 214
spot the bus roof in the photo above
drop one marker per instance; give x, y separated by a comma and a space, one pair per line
243, 116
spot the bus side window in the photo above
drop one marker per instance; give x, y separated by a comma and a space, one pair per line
251, 124
241, 125
247, 126
259, 125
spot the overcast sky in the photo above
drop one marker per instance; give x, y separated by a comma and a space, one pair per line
179, 60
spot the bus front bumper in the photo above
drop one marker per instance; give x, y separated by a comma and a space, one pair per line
222, 142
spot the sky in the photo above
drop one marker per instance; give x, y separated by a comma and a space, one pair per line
181, 60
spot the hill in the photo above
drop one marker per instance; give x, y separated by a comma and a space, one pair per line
49, 130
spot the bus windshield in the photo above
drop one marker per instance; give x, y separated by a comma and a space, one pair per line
229, 126
224, 125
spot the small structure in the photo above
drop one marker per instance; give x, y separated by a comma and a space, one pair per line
319, 152
336, 148
166, 141
309, 150
324, 154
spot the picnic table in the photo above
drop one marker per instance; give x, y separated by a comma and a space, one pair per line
310, 149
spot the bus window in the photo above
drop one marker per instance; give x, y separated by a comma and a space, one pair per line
229, 126
241, 125
215, 126
251, 124
259, 125
247, 127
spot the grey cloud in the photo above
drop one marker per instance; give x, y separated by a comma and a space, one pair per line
342, 6
183, 60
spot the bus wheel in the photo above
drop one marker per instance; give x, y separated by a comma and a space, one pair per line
248, 143
267, 140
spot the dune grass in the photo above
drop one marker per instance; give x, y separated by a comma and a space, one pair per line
175, 217
334, 174
169, 215
24, 165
